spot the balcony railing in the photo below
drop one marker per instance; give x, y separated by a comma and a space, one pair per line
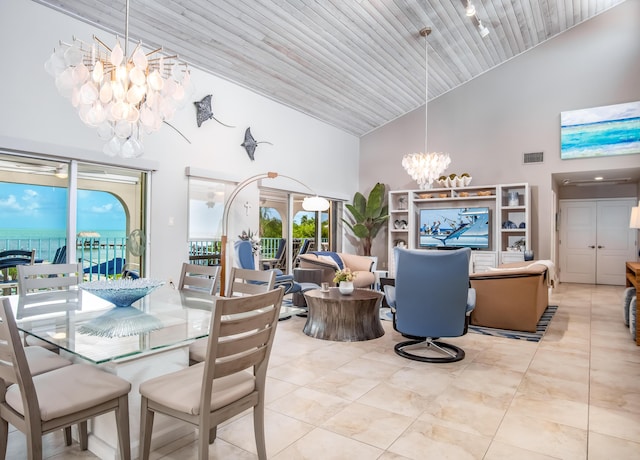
105, 257
207, 252
100, 257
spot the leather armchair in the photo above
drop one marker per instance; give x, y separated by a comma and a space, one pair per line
431, 299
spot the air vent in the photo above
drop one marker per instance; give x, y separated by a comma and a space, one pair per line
533, 157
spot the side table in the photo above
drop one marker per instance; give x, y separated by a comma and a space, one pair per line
343, 318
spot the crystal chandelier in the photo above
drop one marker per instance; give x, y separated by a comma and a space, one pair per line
123, 96
425, 167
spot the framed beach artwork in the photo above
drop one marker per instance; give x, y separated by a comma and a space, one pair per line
600, 131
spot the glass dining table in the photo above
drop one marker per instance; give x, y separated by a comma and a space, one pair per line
140, 342
93, 330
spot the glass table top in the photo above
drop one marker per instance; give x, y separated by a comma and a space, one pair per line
93, 329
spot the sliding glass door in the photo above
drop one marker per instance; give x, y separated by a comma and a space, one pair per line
74, 211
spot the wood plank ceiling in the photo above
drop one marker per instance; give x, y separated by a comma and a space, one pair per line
355, 64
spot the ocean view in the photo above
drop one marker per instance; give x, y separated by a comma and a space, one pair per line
39, 233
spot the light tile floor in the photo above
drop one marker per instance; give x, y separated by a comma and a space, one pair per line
574, 395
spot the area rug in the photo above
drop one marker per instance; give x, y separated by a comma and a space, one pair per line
541, 328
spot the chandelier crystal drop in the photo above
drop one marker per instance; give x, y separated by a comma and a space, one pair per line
425, 168
124, 97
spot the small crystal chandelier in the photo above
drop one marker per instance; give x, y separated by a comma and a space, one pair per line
123, 96
425, 167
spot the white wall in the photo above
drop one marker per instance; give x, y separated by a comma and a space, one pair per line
487, 124
34, 117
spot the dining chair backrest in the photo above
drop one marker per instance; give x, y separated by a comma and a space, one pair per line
47, 288
43, 277
65, 400
199, 277
240, 337
250, 282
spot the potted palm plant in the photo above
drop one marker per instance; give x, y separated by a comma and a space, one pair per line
368, 216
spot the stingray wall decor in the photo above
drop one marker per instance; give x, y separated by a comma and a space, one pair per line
250, 143
204, 111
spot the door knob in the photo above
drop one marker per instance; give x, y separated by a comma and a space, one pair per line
592, 247
600, 247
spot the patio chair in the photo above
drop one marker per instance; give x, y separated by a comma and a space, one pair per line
304, 248
280, 258
246, 260
60, 256
11, 259
109, 268
229, 381
56, 399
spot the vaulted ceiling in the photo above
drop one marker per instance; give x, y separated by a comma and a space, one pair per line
355, 64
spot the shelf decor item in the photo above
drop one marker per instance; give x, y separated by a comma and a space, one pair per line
453, 180
514, 199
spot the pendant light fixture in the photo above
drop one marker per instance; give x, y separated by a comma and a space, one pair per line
425, 167
123, 96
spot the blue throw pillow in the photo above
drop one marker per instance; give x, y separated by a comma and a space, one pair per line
632, 318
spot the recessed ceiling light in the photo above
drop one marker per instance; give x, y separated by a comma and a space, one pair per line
598, 178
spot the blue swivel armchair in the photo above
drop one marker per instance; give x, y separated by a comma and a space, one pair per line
431, 299
245, 259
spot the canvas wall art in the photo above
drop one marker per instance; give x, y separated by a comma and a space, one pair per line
600, 131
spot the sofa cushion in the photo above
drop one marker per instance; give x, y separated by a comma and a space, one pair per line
330, 257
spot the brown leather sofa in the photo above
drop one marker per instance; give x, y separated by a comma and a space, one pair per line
511, 297
360, 265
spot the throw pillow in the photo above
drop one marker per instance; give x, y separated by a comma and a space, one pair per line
629, 293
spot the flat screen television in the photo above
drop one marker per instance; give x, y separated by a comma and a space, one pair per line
451, 228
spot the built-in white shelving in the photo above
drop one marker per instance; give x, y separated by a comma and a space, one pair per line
509, 221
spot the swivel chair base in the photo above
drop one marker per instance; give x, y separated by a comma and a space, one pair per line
450, 353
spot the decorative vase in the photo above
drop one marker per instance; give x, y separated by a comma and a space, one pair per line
345, 287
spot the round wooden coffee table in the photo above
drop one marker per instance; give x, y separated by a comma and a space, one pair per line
343, 318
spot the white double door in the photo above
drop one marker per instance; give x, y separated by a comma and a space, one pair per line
595, 240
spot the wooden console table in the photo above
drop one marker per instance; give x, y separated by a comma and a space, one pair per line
633, 279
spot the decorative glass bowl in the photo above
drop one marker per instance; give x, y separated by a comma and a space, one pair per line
121, 292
